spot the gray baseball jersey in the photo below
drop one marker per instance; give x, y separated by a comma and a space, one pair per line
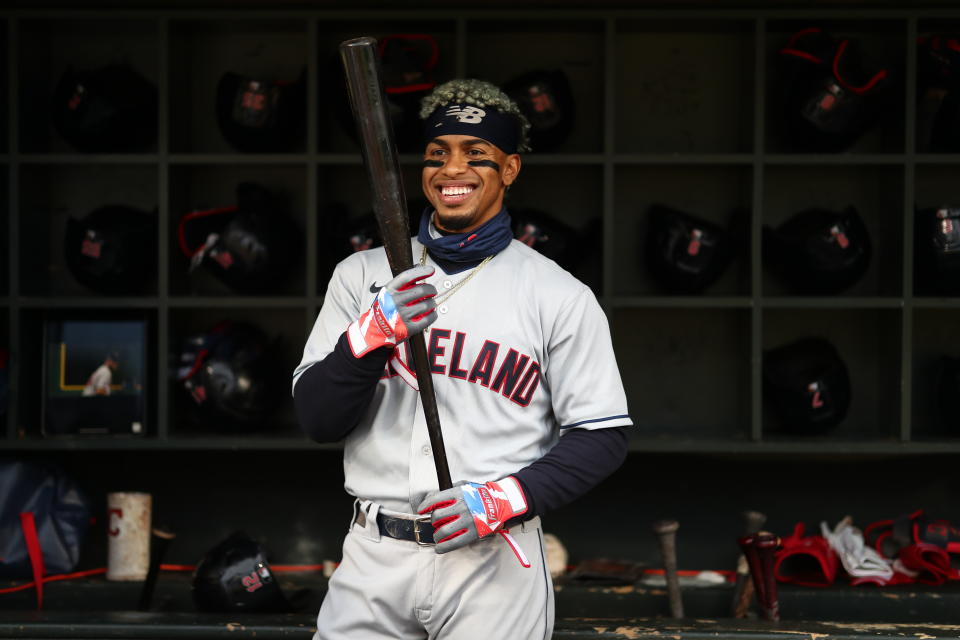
519, 354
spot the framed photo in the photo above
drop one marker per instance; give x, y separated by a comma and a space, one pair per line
94, 375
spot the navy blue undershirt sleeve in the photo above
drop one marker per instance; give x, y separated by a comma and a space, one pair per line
576, 464
331, 396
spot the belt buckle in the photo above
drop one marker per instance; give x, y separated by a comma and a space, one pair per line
417, 531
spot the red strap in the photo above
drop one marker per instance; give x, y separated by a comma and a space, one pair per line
29, 527
181, 233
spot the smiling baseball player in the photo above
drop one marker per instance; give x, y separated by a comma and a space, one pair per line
528, 391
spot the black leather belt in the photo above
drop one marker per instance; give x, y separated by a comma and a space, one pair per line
417, 530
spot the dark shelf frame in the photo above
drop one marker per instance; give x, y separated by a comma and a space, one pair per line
607, 162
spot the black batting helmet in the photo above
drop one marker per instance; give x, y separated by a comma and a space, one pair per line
231, 375
113, 249
545, 98
235, 577
937, 240
260, 114
408, 62
547, 234
807, 385
831, 94
684, 253
818, 251
110, 109
249, 246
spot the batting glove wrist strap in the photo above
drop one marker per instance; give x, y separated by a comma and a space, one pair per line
403, 307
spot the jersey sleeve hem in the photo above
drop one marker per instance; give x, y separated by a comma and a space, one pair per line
600, 423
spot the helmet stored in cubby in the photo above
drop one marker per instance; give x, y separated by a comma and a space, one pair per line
832, 94
232, 377
113, 249
685, 253
937, 242
547, 234
546, 99
260, 114
818, 251
806, 385
249, 246
110, 109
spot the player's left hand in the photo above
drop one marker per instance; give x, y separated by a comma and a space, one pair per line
470, 511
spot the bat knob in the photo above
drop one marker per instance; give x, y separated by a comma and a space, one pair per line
665, 527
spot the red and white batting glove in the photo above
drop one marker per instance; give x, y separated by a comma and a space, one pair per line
470, 511
403, 307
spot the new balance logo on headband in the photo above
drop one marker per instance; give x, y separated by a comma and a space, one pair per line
467, 114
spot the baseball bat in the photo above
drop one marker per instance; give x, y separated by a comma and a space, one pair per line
369, 104
161, 538
766, 545
748, 544
743, 590
666, 531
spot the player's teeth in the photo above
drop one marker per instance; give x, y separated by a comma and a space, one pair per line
456, 191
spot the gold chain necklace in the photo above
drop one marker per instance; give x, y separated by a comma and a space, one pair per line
440, 299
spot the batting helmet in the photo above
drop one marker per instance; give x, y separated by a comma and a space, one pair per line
235, 577
249, 247
938, 89
684, 253
545, 98
937, 240
256, 114
806, 385
548, 235
112, 249
111, 109
831, 95
231, 376
408, 62
817, 251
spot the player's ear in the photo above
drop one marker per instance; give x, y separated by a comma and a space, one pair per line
511, 169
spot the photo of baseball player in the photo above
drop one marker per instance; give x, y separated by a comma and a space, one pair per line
529, 395
98, 384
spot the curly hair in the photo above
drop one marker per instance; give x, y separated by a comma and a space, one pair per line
478, 93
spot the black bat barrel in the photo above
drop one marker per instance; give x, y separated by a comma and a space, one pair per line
375, 129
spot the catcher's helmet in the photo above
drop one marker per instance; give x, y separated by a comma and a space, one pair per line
545, 98
256, 114
234, 576
807, 385
111, 109
112, 249
831, 96
249, 247
818, 251
231, 375
684, 253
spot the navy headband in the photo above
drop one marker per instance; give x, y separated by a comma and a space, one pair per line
486, 123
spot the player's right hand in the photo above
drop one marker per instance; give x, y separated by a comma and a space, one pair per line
403, 307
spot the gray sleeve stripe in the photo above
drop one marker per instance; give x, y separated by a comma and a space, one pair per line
577, 424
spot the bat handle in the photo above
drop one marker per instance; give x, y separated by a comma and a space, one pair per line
431, 413
161, 540
666, 531
766, 545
